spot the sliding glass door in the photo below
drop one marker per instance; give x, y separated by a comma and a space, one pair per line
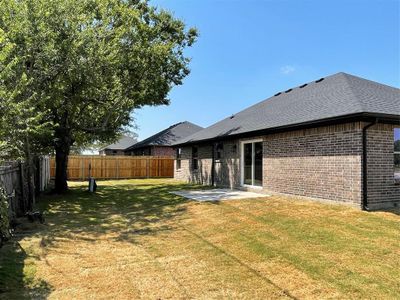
252, 154
248, 164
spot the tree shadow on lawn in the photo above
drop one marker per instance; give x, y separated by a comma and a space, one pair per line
17, 273
123, 211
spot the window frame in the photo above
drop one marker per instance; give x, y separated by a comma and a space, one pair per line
219, 150
195, 158
179, 158
242, 143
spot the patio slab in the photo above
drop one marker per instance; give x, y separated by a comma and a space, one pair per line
217, 195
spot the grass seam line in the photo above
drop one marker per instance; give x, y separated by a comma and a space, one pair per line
161, 266
234, 258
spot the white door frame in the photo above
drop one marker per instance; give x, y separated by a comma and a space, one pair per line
252, 165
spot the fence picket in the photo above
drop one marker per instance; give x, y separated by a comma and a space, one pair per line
15, 180
116, 167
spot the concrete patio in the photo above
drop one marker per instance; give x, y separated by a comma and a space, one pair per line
217, 195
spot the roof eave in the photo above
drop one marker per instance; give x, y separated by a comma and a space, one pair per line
145, 146
364, 116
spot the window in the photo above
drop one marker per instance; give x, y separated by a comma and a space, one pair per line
397, 154
178, 158
234, 149
195, 158
219, 150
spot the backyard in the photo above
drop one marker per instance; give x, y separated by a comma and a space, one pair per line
133, 239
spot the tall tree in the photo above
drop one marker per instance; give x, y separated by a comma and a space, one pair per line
86, 65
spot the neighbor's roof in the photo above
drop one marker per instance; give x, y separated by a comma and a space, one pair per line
123, 143
334, 96
168, 136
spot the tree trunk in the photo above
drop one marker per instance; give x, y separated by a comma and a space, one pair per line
62, 151
30, 174
61, 185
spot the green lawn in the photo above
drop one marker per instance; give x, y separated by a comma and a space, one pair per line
133, 239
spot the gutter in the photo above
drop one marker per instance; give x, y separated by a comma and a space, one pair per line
366, 117
365, 165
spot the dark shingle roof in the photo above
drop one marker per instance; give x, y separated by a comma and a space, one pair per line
335, 96
169, 136
123, 143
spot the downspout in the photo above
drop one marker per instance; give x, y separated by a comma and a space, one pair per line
365, 165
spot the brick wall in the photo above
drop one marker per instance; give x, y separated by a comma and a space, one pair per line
200, 176
227, 168
383, 191
144, 151
152, 151
112, 152
163, 151
323, 162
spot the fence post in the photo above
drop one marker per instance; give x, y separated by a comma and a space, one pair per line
147, 167
82, 164
117, 165
21, 183
102, 167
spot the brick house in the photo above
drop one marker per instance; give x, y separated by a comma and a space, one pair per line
331, 139
118, 148
160, 144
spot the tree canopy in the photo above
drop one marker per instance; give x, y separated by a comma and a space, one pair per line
72, 71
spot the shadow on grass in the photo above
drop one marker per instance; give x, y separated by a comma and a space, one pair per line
125, 211
17, 276
122, 212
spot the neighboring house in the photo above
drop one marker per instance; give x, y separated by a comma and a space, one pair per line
160, 143
331, 139
118, 147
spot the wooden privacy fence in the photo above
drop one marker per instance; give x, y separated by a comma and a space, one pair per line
116, 167
21, 188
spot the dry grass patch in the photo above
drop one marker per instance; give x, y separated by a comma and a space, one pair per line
133, 239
